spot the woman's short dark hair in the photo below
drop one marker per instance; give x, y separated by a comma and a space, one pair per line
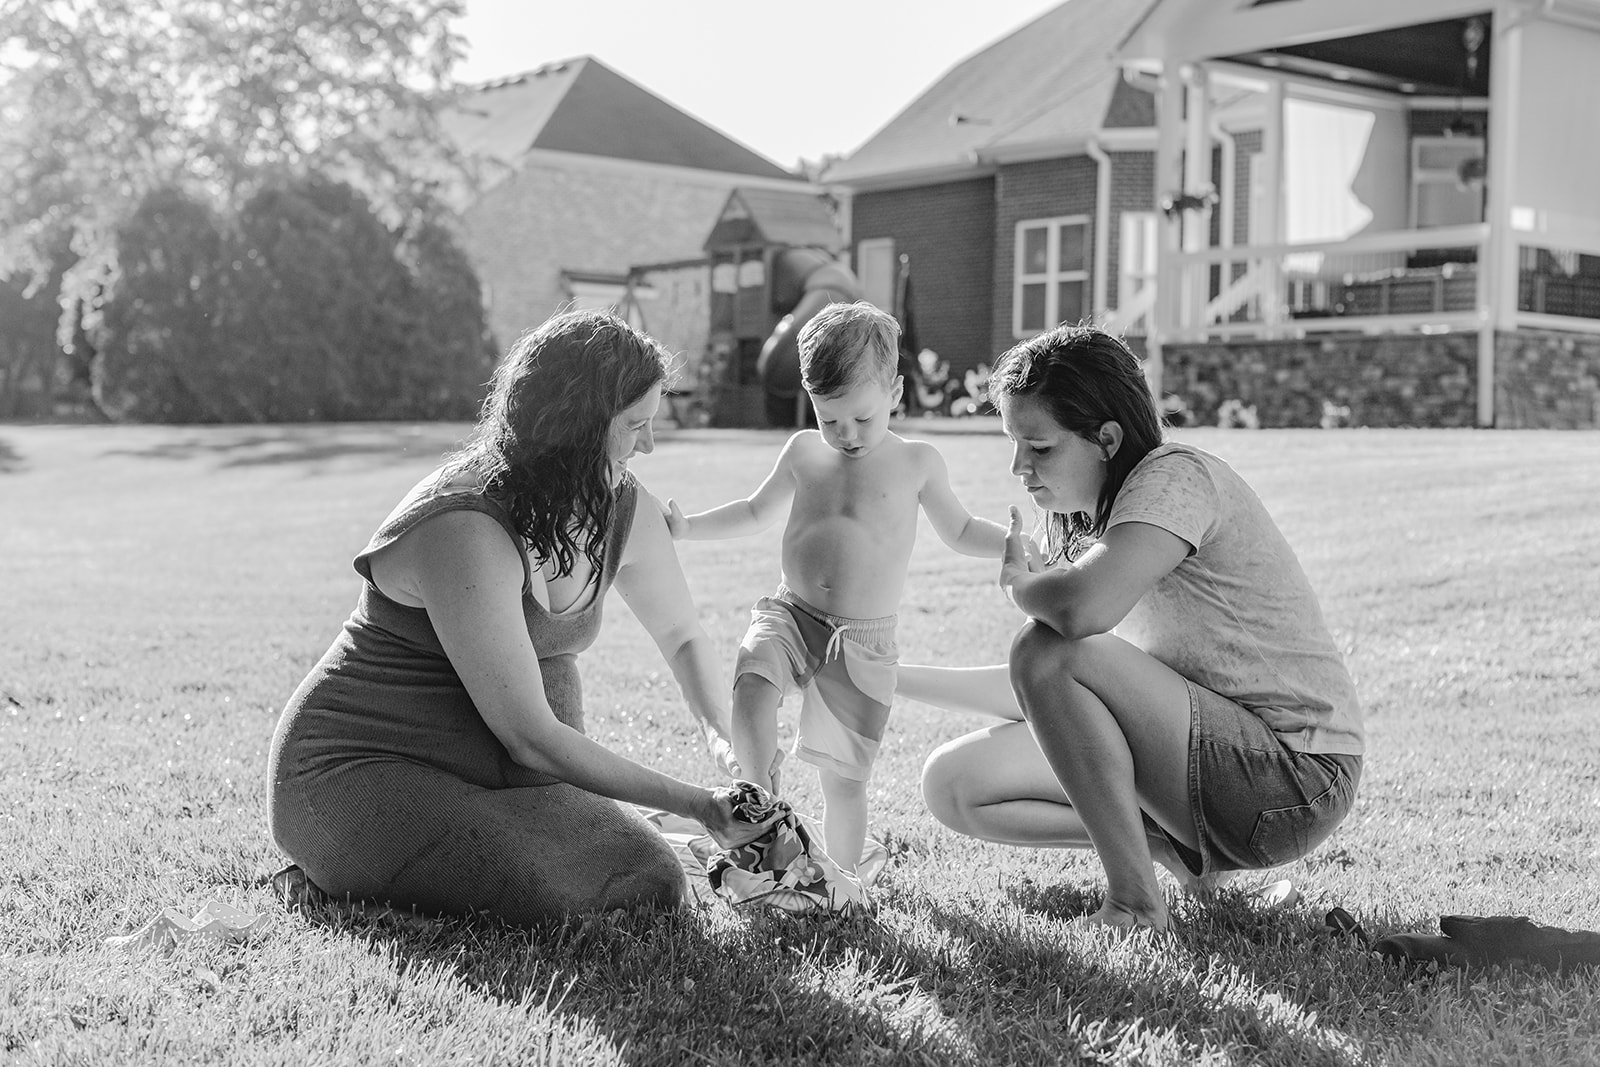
540, 443
1085, 377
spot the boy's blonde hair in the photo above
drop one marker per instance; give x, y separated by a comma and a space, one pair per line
846, 344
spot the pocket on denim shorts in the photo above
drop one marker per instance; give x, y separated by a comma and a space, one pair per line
1285, 834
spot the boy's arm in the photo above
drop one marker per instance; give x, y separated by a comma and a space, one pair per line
740, 517
955, 525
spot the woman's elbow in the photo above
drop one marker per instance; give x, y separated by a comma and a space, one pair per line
537, 750
530, 755
1072, 622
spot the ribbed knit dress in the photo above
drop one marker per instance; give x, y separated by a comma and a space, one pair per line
386, 784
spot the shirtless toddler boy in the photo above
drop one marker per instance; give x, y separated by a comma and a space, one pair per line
852, 490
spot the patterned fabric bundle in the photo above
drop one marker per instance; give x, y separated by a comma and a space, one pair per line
783, 868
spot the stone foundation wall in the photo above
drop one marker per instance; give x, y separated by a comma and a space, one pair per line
1547, 380
1389, 380
1544, 379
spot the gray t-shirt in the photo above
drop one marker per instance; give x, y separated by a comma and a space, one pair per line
1238, 615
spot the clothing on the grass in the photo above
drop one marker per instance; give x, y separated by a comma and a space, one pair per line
1479, 941
386, 784
696, 850
1238, 615
784, 867
1255, 801
844, 669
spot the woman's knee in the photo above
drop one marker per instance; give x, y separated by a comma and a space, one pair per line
945, 776
1041, 659
648, 877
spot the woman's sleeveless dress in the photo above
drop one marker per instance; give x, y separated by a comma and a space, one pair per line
386, 784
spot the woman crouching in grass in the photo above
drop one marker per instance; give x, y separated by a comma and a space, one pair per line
1217, 729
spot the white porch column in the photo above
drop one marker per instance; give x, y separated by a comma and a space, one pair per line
1165, 314
1269, 229
1196, 180
1498, 266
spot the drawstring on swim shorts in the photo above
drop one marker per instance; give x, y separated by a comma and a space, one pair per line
835, 641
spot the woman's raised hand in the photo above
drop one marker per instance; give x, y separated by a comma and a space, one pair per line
1022, 556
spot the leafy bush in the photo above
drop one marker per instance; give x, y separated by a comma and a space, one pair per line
306, 307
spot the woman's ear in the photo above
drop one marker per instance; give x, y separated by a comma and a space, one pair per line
1109, 438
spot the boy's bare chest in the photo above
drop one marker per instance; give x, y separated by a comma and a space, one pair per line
856, 491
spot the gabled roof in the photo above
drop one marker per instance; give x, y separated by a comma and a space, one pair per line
582, 106
775, 217
1049, 82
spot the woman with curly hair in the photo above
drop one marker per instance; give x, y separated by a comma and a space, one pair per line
435, 757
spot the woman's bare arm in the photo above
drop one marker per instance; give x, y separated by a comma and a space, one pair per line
469, 576
650, 581
986, 690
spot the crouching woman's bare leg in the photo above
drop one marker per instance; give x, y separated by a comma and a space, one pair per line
1113, 726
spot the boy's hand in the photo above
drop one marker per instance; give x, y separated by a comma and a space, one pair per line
722, 752
677, 523
772, 772
1022, 556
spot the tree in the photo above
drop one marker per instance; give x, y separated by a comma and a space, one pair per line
305, 306
103, 102
159, 325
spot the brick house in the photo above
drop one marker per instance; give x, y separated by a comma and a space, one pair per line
1018, 187
584, 174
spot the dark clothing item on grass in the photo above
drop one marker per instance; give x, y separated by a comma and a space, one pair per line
1479, 941
386, 784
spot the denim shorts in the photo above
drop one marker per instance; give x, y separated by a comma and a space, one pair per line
1256, 802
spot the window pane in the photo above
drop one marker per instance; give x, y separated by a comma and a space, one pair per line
1069, 301
1072, 239
876, 269
1035, 257
1032, 307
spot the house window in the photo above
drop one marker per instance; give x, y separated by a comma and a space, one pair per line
875, 264
1446, 181
1052, 273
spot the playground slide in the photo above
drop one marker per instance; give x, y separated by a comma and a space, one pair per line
805, 280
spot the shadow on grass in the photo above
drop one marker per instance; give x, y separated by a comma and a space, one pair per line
11, 460
930, 982
261, 446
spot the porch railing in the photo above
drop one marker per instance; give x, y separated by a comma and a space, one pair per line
1380, 283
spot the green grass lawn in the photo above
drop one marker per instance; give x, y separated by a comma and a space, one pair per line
162, 590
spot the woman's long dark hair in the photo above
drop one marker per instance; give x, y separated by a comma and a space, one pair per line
540, 443
1085, 377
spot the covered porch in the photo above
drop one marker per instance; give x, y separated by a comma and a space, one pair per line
1360, 172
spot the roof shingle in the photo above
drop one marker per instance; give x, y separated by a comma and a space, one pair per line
1051, 79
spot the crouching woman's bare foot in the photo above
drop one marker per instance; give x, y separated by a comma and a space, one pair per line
1127, 917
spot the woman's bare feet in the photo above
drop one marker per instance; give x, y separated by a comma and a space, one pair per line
1121, 917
